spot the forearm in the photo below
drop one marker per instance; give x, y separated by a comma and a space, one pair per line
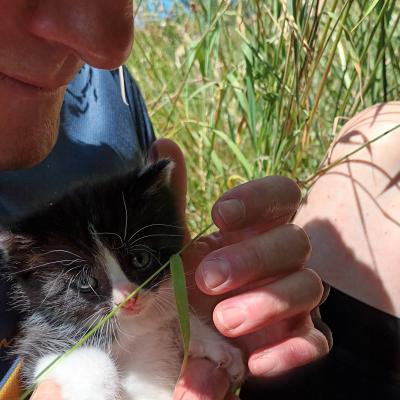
352, 214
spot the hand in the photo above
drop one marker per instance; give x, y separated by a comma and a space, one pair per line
259, 292
47, 390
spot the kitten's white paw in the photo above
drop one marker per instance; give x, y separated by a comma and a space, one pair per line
85, 374
218, 350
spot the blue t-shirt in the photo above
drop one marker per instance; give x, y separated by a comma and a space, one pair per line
99, 135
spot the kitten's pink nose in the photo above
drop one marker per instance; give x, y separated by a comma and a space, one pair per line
121, 292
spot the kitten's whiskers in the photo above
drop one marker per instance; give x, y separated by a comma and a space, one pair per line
126, 216
70, 262
151, 225
61, 251
55, 281
157, 234
118, 329
95, 235
72, 279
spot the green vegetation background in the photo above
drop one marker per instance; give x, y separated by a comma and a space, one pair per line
258, 87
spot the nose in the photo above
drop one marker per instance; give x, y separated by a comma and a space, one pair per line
121, 290
100, 32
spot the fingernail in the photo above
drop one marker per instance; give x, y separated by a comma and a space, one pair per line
215, 272
231, 211
264, 365
231, 318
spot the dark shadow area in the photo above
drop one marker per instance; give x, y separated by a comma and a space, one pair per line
365, 359
356, 136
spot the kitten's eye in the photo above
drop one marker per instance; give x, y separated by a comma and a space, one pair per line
86, 284
141, 259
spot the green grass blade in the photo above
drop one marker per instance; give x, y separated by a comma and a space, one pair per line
182, 303
247, 167
369, 11
334, 163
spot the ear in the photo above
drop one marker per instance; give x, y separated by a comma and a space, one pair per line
158, 175
166, 148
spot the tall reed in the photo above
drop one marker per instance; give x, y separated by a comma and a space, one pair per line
250, 88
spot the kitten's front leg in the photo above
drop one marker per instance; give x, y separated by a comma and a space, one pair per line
206, 343
85, 374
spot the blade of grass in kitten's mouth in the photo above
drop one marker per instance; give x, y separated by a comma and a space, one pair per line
132, 306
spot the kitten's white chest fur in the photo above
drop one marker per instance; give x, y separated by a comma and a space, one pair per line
144, 366
149, 363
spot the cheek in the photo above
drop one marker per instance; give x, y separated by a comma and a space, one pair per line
163, 296
28, 126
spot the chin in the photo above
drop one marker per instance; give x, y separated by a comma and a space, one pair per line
27, 152
29, 129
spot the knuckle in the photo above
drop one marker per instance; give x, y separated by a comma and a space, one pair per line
307, 348
287, 186
300, 241
276, 306
291, 185
314, 283
301, 352
248, 259
256, 257
319, 343
324, 329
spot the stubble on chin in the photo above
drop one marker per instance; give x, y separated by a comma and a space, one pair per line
28, 129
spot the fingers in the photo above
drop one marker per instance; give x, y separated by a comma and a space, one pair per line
268, 201
274, 253
47, 390
288, 354
202, 380
165, 148
295, 294
321, 326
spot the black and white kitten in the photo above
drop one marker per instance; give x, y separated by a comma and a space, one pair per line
72, 262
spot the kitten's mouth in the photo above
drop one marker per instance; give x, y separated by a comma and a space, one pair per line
132, 306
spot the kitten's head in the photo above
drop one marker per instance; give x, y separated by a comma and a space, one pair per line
78, 258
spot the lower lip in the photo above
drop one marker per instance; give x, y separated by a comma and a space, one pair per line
19, 87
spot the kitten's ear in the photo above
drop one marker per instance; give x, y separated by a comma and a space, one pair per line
157, 175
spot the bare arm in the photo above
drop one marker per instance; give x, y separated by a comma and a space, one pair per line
352, 214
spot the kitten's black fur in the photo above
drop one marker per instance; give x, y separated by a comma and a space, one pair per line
44, 249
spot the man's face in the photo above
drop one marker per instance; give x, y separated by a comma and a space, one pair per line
43, 44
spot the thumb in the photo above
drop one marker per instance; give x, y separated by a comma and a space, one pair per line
48, 390
202, 380
165, 148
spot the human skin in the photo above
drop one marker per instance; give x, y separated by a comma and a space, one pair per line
352, 213
43, 45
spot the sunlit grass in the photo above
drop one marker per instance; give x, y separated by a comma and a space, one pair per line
251, 88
